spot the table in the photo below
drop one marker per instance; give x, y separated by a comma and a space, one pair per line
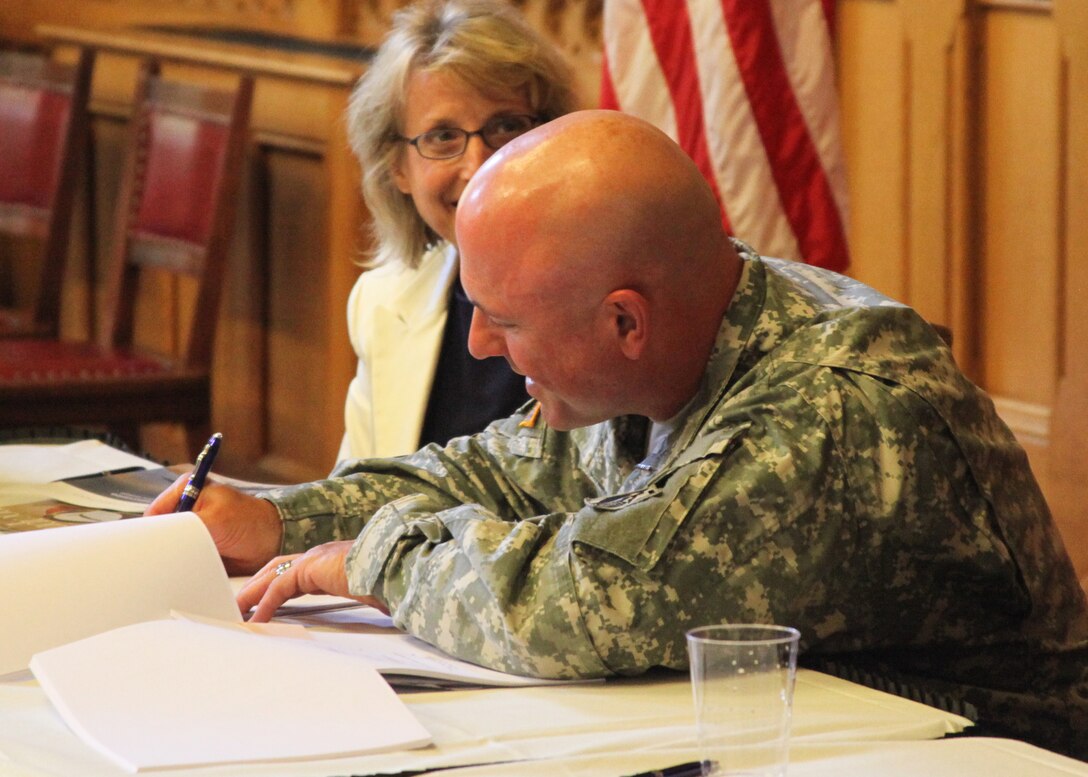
612, 728
608, 729
648, 718
971, 757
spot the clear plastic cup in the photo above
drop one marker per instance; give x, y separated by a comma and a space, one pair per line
742, 678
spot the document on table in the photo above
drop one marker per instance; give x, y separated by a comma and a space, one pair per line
408, 662
88, 610
24, 464
45, 486
52, 486
91, 610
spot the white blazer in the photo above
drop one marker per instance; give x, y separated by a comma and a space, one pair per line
396, 317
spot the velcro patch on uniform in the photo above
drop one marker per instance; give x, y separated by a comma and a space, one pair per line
620, 501
529, 446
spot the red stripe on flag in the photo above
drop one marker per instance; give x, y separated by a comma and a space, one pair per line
829, 15
670, 31
795, 164
608, 99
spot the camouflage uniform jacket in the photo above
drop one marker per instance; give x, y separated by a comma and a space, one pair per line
836, 472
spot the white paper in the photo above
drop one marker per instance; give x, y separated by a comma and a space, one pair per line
60, 585
23, 464
67, 493
174, 693
397, 655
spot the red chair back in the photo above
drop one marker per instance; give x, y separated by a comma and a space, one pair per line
178, 195
184, 155
33, 122
186, 152
43, 126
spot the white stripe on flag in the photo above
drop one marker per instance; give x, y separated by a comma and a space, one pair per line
744, 175
806, 47
636, 75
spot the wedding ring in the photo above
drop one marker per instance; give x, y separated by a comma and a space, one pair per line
282, 567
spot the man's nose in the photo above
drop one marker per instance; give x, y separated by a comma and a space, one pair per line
483, 339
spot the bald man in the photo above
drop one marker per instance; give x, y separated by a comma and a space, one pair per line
714, 436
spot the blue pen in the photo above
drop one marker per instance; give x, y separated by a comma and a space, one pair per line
200, 474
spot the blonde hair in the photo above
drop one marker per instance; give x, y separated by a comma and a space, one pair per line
486, 44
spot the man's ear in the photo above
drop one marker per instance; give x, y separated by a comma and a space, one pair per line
629, 318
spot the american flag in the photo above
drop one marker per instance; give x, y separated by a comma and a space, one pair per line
747, 88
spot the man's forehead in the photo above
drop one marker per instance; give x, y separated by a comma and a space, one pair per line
496, 286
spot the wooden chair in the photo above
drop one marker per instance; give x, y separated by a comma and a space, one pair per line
43, 130
175, 212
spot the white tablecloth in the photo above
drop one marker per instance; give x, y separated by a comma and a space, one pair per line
971, 757
595, 721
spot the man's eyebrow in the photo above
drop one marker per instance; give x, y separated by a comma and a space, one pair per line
491, 316
473, 302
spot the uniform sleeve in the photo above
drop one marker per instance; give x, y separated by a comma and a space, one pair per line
504, 470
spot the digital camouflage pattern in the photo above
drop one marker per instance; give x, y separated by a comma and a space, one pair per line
836, 473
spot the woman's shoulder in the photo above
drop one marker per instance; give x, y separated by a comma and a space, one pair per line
385, 284
438, 260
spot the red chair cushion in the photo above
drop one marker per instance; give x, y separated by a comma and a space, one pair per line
52, 361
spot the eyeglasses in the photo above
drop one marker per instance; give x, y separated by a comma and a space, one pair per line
448, 142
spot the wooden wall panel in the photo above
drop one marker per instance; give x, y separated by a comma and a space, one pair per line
871, 61
902, 68
870, 85
295, 372
317, 18
1019, 196
1068, 464
239, 395
930, 30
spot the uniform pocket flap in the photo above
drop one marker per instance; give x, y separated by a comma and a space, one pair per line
637, 526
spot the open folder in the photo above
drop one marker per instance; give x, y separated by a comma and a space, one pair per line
88, 610
174, 693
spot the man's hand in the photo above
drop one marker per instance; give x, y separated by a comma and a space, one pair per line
319, 570
247, 531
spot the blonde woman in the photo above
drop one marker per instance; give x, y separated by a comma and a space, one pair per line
452, 82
